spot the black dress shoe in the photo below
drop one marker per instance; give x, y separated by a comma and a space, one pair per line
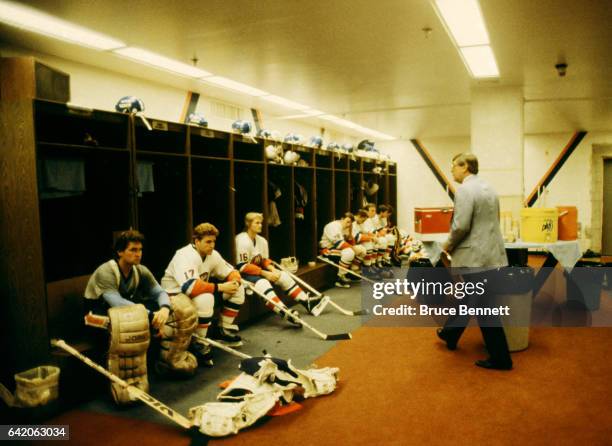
451, 345
489, 364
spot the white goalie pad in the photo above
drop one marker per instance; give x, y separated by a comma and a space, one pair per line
221, 419
245, 385
127, 353
316, 382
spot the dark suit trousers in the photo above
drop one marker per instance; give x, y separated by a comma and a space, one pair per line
490, 326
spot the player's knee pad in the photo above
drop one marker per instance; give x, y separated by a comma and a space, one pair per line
347, 255
263, 286
176, 336
127, 353
236, 298
285, 281
205, 304
360, 251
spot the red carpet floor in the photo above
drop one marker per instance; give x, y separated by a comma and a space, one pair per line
401, 386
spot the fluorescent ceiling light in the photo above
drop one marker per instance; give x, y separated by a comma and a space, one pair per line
345, 123
312, 112
233, 85
159, 61
480, 60
464, 21
39, 22
351, 125
328, 117
375, 134
285, 102
339, 121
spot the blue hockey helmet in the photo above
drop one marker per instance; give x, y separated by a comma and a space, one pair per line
241, 126
129, 104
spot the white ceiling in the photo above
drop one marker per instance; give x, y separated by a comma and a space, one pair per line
365, 60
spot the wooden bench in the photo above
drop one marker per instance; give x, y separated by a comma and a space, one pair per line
65, 311
66, 308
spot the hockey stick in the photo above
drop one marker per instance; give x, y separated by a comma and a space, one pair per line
327, 337
323, 259
316, 293
133, 390
220, 346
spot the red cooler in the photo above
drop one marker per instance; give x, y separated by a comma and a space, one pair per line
432, 220
568, 222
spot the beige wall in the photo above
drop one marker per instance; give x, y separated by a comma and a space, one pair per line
101, 89
97, 88
573, 184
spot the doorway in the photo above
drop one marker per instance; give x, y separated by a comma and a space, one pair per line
606, 242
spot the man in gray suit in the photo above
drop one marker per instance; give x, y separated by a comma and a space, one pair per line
477, 249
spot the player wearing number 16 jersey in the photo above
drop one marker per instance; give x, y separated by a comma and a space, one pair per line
254, 265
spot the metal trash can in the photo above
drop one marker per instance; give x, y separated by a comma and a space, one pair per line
514, 288
585, 283
422, 269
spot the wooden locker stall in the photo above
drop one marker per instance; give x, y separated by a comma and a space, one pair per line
73, 177
162, 192
281, 230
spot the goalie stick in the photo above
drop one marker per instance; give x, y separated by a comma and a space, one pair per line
319, 308
134, 391
327, 337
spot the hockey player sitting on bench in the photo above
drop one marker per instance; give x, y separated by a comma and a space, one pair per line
401, 241
189, 274
386, 238
363, 234
133, 299
253, 262
338, 245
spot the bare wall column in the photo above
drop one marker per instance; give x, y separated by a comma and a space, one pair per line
497, 141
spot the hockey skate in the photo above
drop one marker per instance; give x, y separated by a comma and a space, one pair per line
292, 317
202, 352
342, 282
229, 337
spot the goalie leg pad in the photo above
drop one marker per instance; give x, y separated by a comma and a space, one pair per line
176, 336
127, 353
264, 370
221, 419
316, 381
245, 385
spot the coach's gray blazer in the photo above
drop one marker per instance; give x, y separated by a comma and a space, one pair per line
475, 239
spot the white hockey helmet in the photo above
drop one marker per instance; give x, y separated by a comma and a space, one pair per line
291, 157
197, 119
272, 152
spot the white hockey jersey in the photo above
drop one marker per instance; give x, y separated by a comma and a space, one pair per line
377, 223
249, 251
333, 235
363, 232
187, 266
